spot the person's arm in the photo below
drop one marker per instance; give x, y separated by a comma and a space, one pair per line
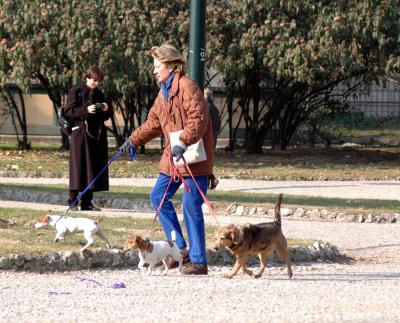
106, 112
197, 113
149, 130
75, 107
217, 117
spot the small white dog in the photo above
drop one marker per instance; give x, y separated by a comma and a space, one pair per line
152, 252
67, 225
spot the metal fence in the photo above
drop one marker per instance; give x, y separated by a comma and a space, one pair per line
378, 101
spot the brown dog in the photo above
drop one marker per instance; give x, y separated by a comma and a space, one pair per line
251, 240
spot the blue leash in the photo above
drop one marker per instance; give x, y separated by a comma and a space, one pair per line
74, 203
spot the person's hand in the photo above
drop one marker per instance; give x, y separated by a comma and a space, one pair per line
125, 146
91, 108
179, 150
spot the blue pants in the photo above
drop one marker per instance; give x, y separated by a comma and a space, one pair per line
192, 214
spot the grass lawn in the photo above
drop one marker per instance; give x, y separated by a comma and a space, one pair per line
22, 237
292, 164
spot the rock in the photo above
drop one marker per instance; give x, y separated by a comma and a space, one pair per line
261, 211
299, 213
252, 211
369, 219
4, 263
341, 217
286, 212
381, 219
231, 208
240, 210
332, 216
314, 214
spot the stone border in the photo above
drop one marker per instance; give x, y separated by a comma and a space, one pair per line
233, 209
26, 195
116, 258
312, 214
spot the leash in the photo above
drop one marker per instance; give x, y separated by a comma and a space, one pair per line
176, 176
205, 199
89, 281
74, 203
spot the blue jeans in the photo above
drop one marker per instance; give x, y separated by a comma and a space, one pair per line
192, 214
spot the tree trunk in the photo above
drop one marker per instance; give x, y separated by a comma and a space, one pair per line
18, 118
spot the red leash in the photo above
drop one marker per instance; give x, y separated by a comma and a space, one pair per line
176, 176
201, 192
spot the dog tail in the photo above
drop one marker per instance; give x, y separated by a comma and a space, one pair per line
278, 210
173, 236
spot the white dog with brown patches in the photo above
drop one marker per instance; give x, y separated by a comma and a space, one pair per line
153, 252
66, 225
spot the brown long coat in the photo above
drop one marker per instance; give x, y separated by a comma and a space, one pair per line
186, 109
88, 143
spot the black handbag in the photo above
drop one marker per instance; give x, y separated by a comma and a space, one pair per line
65, 124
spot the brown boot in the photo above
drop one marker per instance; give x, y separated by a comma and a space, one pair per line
175, 264
194, 269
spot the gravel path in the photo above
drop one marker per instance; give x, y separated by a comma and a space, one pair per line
317, 293
367, 290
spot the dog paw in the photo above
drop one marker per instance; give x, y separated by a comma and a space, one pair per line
228, 275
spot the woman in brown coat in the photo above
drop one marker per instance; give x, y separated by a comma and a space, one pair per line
88, 142
180, 105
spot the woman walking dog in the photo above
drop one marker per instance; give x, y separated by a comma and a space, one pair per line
180, 105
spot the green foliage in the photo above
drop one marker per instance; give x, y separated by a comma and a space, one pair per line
55, 42
287, 57
355, 119
283, 59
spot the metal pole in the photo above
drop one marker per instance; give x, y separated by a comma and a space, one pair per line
197, 43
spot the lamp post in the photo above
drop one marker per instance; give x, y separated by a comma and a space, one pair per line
197, 43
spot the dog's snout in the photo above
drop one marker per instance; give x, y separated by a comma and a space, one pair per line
39, 225
216, 247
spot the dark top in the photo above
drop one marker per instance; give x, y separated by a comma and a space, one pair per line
88, 141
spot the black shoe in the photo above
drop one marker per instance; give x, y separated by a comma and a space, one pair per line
73, 208
90, 208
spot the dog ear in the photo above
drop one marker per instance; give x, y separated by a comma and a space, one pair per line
97, 221
43, 218
235, 236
